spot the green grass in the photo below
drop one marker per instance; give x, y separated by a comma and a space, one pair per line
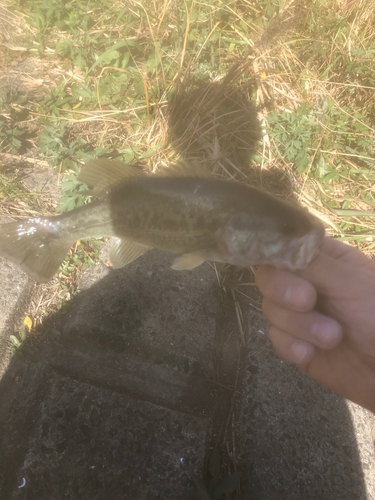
116, 67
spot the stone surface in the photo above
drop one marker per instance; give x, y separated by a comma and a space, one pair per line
16, 287
85, 442
147, 309
95, 273
363, 429
299, 441
109, 389
42, 180
140, 373
15, 295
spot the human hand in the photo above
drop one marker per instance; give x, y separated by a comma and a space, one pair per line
323, 319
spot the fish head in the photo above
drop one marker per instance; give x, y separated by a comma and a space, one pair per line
286, 236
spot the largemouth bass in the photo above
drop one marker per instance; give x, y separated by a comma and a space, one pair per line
195, 216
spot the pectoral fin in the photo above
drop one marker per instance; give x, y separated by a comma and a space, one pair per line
123, 251
187, 261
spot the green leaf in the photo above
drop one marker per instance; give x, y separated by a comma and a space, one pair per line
153, 61
227, 485
125, 60
104, 55
14, 340
128, 155
82, 91
110, 56
322, 167
22, 334
148, 153
214, 463
331, 175
352, 213
80, 61
201, 489
139, 85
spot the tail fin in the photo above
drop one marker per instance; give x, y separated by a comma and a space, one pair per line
35, 245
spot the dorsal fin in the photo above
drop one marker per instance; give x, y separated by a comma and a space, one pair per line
103, 174
185, 169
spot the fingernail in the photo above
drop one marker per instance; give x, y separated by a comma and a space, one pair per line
328, 333
297, 296
302, 352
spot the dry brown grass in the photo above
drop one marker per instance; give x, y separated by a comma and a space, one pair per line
307, 85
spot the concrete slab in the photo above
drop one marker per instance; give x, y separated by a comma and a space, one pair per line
75, 440
139, 374
16, 288
146, 309
15, 295
107, 388
298, 440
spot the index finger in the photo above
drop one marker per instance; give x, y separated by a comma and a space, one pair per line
286, 289
343, 252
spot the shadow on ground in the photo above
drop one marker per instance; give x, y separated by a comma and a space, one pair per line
127, 392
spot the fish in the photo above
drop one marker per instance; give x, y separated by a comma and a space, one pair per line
184, 211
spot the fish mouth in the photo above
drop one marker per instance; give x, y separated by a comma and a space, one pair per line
301, 251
